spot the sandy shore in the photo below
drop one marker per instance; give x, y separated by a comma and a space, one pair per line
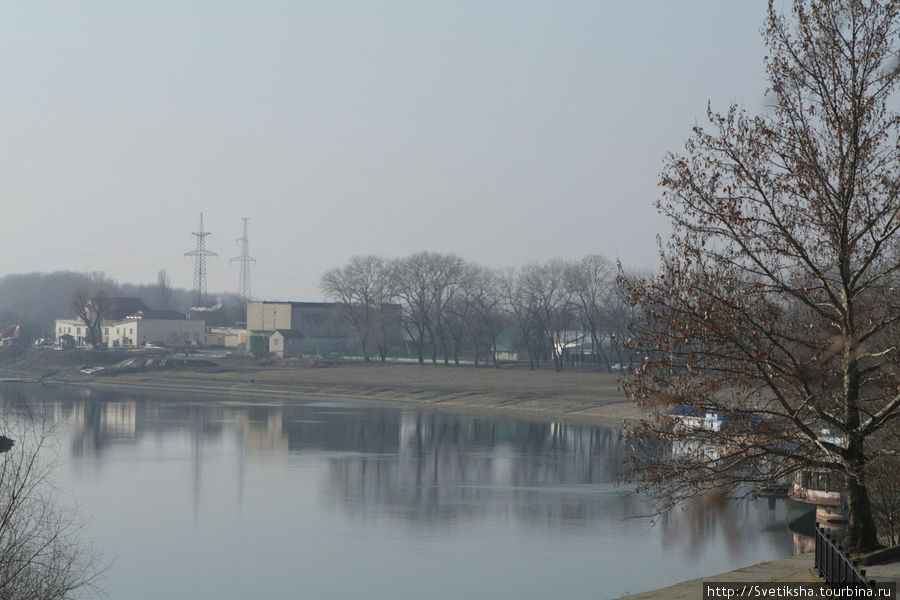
588, 398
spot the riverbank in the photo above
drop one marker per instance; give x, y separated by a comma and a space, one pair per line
588, 398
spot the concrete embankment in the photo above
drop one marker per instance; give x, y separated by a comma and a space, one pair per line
789, 569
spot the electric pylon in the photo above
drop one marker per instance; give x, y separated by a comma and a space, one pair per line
245, 261
200, 253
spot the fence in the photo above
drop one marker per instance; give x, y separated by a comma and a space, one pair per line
834, 565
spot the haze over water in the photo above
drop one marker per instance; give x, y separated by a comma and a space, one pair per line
223, 499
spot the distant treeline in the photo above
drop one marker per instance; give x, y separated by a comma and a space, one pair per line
559, 312
35, 300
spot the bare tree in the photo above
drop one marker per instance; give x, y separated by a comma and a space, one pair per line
521, 307
427, 283
884, 475
364, 289
539, 304
459, 314
776, 306
388, 313
91, 303
163, 290
452, 301
413, 276
621, 316
339, 284
591, 283
487, 319
547, 297
40, 555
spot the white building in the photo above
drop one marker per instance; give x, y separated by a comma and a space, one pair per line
117, 309
161, 327
230, 337
73, 327
143, 326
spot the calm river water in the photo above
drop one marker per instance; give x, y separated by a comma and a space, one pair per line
207, 498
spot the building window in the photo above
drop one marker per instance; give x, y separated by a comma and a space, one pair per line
106, 331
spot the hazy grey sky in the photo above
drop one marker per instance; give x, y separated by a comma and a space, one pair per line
503, 131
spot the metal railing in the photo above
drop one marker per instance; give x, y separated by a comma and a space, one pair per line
834, 565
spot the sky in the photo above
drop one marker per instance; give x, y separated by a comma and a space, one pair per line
504, 131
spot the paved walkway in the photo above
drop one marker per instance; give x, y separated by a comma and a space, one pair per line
884, 573
791, 568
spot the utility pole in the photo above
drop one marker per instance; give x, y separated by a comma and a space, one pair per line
200, 253
245, 261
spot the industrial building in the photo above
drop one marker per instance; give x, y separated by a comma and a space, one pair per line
325, 326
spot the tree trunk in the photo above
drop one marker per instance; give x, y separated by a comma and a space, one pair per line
434, 352
445, 349
421, 342
555, 354
861, 534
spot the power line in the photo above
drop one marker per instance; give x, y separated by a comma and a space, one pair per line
200, 253
245, 261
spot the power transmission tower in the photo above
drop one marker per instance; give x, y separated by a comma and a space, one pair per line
200, 253
245, 261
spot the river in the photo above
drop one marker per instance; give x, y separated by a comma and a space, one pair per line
217, 498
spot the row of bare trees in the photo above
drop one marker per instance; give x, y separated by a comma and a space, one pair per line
559, 312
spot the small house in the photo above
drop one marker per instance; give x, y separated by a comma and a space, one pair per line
286, 343
506, 345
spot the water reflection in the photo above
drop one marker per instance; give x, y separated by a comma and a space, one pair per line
352, 472
430, 469
443, 469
